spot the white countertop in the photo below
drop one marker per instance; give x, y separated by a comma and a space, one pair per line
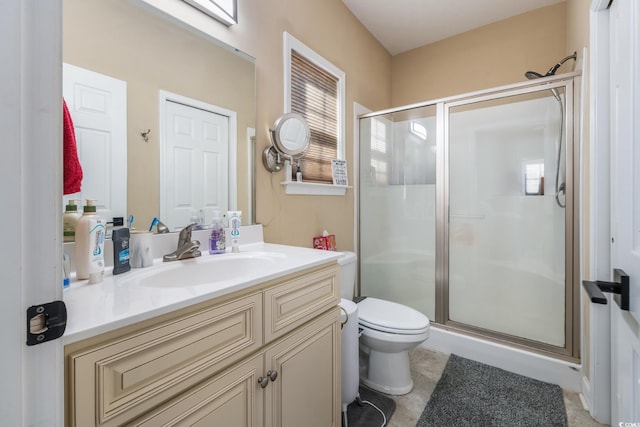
128, 298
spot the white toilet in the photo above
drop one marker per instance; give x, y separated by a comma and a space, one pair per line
389, 331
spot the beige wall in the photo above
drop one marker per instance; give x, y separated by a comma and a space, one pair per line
494, 55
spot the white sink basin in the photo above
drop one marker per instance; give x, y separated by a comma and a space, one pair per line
143, 293
210, 269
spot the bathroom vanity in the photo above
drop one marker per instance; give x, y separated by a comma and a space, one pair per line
260, 349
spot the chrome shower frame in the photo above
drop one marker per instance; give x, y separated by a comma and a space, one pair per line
570, 84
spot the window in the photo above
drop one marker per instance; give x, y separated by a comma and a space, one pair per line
379, 152
225, 11
534, 178
314, 88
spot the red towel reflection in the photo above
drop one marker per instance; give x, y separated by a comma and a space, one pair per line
72, 170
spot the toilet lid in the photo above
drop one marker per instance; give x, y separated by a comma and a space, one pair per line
391, 317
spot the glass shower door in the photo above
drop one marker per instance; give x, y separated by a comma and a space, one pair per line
397, 208
506, 217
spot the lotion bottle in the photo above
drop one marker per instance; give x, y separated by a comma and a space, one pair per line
69, 221
90, 234
234, 229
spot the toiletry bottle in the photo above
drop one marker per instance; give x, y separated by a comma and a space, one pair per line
69, 221
198, 219
66, 269
298, 174
234, 229
120, 237
90, 233
217, 241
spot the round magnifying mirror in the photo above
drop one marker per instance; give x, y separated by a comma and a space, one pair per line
290, 134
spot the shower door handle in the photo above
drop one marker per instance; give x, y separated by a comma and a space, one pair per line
619, 286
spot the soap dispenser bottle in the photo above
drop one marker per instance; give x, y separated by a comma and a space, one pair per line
217, 241
89, 250
69, 221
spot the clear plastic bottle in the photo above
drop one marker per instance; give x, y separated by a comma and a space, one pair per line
217, 241
197, 218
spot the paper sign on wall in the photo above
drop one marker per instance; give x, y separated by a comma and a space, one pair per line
339, 171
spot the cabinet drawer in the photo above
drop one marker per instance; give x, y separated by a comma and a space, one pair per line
296, 301
231, 398
125, 377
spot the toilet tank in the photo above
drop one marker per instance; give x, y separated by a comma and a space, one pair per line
348, 265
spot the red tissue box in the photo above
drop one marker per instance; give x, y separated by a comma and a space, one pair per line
327, 243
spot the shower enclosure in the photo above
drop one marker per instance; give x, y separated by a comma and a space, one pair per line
467, 213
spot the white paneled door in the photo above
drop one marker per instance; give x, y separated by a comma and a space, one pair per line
195, 148
624, 27
98, 107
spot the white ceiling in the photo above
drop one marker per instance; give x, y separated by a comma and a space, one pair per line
402, 25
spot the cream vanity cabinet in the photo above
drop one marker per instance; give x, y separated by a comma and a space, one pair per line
266, 356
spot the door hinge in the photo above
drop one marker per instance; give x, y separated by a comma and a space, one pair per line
619, 286
46, 322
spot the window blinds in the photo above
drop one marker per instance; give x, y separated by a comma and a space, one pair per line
314, 95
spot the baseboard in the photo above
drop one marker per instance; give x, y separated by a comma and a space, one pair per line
566, 374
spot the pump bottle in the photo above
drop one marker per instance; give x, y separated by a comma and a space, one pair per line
69, 221
90, 234
217, 241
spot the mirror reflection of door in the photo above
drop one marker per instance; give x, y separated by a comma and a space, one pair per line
98, 107
196, 150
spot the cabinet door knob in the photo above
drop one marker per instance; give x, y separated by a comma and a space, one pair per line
272, 375
263, 381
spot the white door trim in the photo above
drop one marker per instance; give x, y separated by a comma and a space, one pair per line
32, 386
597, 388
164, 97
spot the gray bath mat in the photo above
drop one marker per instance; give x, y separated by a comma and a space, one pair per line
366, 415
474, 394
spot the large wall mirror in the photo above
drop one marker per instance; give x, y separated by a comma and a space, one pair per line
173, 77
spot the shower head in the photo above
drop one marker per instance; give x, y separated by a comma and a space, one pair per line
552, 71
532, 75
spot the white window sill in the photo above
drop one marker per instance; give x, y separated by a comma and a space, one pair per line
312, 188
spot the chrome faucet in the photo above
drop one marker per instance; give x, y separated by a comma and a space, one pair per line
187, 248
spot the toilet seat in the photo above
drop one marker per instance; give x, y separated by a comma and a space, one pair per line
391, 317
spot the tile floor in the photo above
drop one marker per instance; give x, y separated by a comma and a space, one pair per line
427, 367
